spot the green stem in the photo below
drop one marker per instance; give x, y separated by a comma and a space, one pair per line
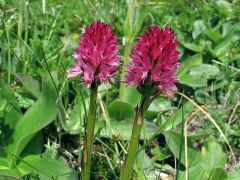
86, 166
20, 22
127, 52
25, 36
132, 150
9, 53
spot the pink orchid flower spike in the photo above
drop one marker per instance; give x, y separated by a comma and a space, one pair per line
154, 62
97, 55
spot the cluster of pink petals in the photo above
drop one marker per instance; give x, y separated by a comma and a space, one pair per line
97, 55
155, 61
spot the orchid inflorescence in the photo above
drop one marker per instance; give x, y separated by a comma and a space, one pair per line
155, 61
97, 55
152, 71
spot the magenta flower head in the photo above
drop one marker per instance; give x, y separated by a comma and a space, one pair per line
97, 55
154, 62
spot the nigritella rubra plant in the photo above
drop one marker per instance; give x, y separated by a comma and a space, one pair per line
152, 72
96, 61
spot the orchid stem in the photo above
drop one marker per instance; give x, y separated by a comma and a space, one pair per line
133, 145
86, 166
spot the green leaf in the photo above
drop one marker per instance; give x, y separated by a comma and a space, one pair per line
159, 154
7, 93
197, 76
145, 166
202, 97
191, 61
9, 174
173, 140
214, 35
198, 28
218, 173
120, 110
193, 47
198, 136
234, 175
224, 7
76, 119
12, 116
213, 155
3, 163
62, 114
210, 165
177, 118
132, 95
159, 104
225, 43
123, 129
35, 146
196, 173
48, 166
37, 117
30, 84
194, 81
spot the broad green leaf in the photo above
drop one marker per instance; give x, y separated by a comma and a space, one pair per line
213, 155
9, 174
131, 95
193, 81
193, 47
4, 163
234, 175
218, 173
224, 44
214, 35
210, 165
198, 28
194, 173
12, 116
35, 145
159, 104
30, 84
193, 60
177, 118
160, 154
76, 118
48, 166
197, 76
24, 100
202, 97
189, 63
7, 93
145, 167
37, 117
120, 110
173, 140
62, 114
206, 70
198, 136
224, 7
217, 85
123, 129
